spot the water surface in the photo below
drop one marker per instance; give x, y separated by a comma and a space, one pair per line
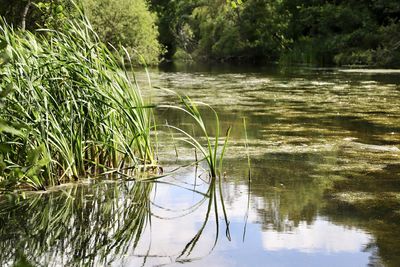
324, 191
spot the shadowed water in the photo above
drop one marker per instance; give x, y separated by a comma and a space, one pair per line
325, 181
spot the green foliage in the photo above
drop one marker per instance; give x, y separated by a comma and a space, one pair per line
53, 14
168, 15
224, 30
344, 32
118, 22
40, 13
128, 23
319, 32
263, 26
388, 53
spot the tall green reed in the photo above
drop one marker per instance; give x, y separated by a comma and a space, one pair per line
71, 109
213, 152
77, 110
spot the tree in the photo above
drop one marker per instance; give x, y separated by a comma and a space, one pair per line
128, 23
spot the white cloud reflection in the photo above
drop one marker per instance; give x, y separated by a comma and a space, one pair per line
321, 236
170, 235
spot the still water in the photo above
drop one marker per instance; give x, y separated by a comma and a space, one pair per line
324, 189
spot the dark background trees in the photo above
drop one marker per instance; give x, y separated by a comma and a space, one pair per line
324, 32
312, 31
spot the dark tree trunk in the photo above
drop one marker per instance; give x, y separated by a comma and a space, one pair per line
25, 14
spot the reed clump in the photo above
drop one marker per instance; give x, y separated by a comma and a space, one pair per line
68, 108
212, 151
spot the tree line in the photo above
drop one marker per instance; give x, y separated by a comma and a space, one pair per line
324, 32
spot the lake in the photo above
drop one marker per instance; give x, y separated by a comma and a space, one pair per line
322, 187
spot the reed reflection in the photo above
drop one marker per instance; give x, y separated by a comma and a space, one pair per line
106, 223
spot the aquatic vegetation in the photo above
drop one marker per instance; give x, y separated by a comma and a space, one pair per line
77, 111
72, 109
212, 152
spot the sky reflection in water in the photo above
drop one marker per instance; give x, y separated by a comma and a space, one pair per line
311, 132
320, 242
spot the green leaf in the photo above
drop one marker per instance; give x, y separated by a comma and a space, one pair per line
59, 9
8, 129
